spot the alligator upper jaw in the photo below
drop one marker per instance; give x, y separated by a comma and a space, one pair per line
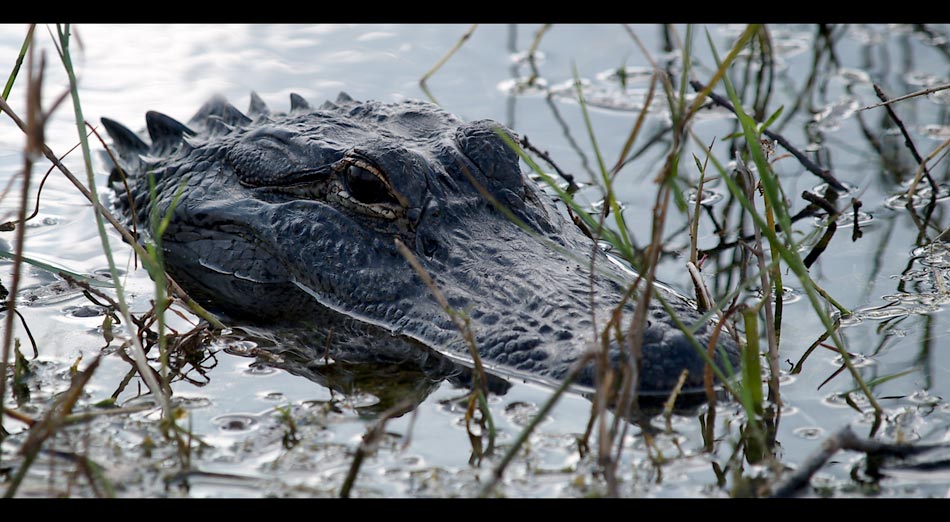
531, 301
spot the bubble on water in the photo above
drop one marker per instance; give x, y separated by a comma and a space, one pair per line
853, 76
788, 411
525, 57
852, 319
259, 369
831, 117
936, 132
607, 96
524, 85
809, 433
789, 44
361, 400
521, 413
789, 294
846, 219
904, 425
900, 305
924, 397
849, 188
242, 348
274, 396
192, 403
84, 311
921, 78
141, 402
935, 254
710, 197
412, 461
921, 197
836, 400
626, 75
598, 206
940, 97
236, 422
857, 360
880, 313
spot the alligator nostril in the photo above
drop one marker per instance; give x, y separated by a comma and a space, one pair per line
429, 247
427, 244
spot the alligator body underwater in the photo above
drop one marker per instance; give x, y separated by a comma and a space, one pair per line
294, 218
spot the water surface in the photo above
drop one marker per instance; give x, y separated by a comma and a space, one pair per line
895, 276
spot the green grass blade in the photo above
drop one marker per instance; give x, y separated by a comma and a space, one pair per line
63, 32
788, 249
53, 269
19, 62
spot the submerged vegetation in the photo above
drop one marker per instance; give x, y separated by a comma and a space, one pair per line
749, 247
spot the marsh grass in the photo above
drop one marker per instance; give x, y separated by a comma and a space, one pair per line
59, 414
618, 390
769, 252
772, 246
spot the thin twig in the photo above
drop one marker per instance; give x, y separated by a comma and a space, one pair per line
369, 442
537, 39
569, 178
907, 96
39, 191
844, 439
833, 214
912, 148
461, 324
458, 45
799, 155
36, 120
26, 328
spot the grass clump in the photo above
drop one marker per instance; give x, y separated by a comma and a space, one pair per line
770, 250
61, 413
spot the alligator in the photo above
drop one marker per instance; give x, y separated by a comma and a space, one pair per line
296, 218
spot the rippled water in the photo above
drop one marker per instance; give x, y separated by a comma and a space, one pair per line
268, 432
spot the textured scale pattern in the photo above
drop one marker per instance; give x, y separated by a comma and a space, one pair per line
269, 227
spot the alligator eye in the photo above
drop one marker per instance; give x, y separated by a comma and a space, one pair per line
366, 187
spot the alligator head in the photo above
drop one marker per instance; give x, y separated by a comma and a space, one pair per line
295, 218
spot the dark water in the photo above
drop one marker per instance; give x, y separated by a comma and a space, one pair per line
895, 276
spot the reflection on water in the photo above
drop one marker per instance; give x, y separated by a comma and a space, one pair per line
261, 431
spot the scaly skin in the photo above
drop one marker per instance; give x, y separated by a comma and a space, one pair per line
292, 219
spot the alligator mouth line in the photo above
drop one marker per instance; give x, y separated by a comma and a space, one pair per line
459, 358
